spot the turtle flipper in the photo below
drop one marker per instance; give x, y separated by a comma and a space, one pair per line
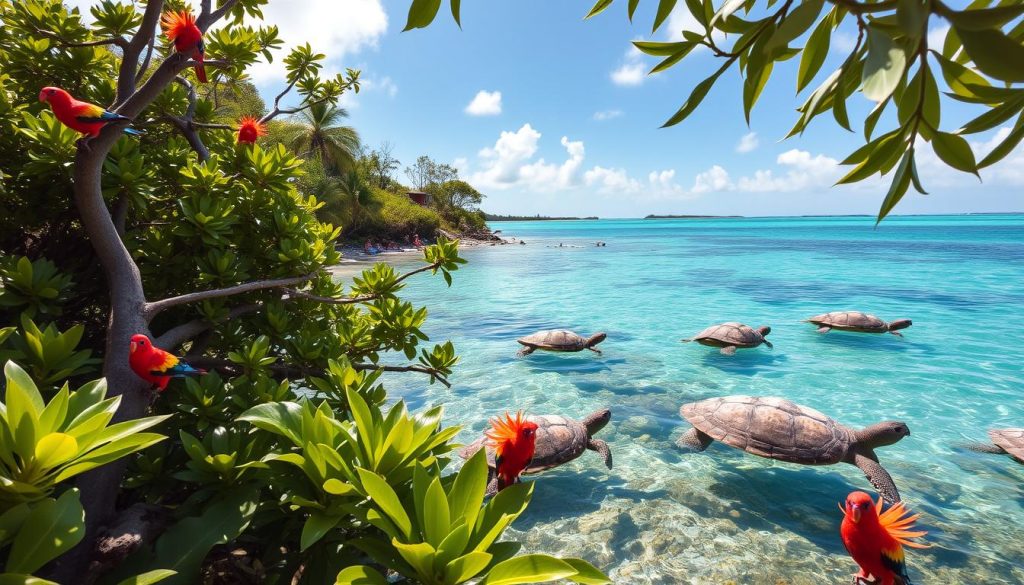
824, 329
595, 350
878, 477
896, 333
984, 448
492, 487
602, 449
525, 351
694, 440
729, 350
769, 344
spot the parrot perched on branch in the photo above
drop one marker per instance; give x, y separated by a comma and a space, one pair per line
180, 28
875, 539
84, 117
514, 440
155, 365
249, 130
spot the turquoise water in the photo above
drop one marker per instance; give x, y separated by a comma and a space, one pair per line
662, 516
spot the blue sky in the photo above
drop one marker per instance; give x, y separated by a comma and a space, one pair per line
547, 113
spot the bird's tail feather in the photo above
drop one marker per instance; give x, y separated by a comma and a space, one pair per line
133, 132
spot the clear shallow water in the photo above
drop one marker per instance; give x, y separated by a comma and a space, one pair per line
661, 516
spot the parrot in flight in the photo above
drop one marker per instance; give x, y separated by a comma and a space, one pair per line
875, 539
84, 117
155, 365
249, 130
180, 28
514, 440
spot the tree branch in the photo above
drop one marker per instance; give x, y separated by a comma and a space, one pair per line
360, 299
130, 59
286, 370
156, 307
207, 16
119, 41
179, 334
146, 60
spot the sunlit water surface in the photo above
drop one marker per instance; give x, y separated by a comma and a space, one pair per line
662, 516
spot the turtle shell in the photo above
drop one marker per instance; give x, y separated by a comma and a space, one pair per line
559, 440
731, 333
1009, 440
851, 321
554, 340
771, 427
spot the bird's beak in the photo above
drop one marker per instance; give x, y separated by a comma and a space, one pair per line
131, 347
855, 513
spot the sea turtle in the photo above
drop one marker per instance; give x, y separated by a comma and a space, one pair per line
560, 439
732, 335
559, 340
779, 429
857, 321
1004, 441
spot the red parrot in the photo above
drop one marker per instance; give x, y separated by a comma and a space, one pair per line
514, 440
875, 539
249, 130
155, 365
180, 28
84, 117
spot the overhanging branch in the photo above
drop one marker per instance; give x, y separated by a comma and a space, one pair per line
156, 307
179, 334
360, 299
290, 371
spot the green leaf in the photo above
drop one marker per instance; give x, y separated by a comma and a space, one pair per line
985, 18
795, 24
466, 567
54, 449
360, 575
586, 573
696, 97
317, 525
421, 13
656, 49
467, 491
899, 186
632, 8
814, 53
51, 528
420, 556
955, 152
664, 9
529, 569
911, 16
728, 7
385, 498
884, 66
456, 6
872, 119
599, 7
11, 521
149, 578
282, 418
336, 487
436, 516
994, 53
16, 579
1005, 147
957, 76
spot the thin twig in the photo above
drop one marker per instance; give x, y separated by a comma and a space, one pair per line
145, 61
360, 299
156, 307
119, 41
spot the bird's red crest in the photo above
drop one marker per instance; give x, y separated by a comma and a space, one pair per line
509, 430
895, 520
249, 130
177, 23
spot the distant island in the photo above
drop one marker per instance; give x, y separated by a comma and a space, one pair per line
652, 216
492, 217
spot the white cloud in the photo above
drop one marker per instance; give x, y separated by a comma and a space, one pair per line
607, 115
337, 29
714, 179
748, 143
384, 85
803, 171
937, 37
632, 71
485, 103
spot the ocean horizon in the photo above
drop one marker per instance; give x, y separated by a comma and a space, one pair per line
665, 516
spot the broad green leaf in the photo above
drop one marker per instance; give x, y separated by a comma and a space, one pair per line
529, 569
385, 498
1005, 147
728, 7
467, 492
664, 9
54, 449
994, 53
453, 545
317, 525
55, 413
632, 8
360, 575
884, 66
599, 7
586, 573
656, 49
886, 147
11, 521
872, 119
899, 186
912, 16
957, 76
421, 13
436, 516
814, 52
696, 97
466, 567
456, 6
985, 18
993, 117
955, 152
16, 579
796, 23
51, 528
149, 577
282, 418
420, 555
336, 487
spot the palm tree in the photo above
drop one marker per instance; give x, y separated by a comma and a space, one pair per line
359, 196
315, 132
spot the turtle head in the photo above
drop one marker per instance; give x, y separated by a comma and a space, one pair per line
764, 330
597, 420
900, 324
882, 434
596, 338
